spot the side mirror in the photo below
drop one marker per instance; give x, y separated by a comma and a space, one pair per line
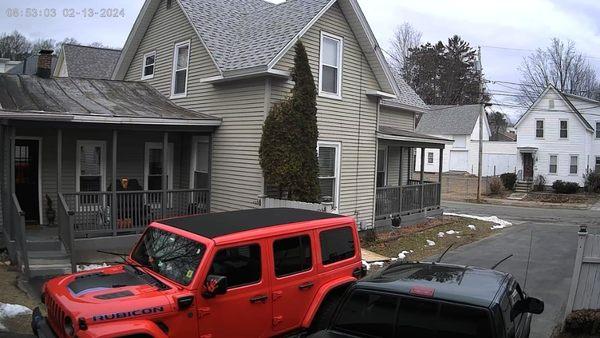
214, 285
534, 305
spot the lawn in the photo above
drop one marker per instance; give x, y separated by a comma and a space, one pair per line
431, 238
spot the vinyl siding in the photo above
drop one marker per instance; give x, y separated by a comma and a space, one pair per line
397, 118
351, 121
236, 174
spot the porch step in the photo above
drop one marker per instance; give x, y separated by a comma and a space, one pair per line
49, 255
42, 267
44, 245
523, 186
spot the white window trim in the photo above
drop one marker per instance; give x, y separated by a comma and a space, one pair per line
535, 128
194, 155
550, 163
338, 159
560, 129
102, 145
338, 95
158, 145
174, 69
39, 173
570, 173
385, 163
147, 77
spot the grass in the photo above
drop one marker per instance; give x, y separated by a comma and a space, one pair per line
414, 238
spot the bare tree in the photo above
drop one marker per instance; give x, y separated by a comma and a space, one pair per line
69, 41
406, 38
560, 65
41, 44
14, 46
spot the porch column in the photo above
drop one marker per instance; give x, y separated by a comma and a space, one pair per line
422, 176
3, 179
400, 167
59, 139
11, 179
113, 184
164, 173
441, 165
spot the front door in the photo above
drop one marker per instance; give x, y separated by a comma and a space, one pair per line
27, 178
527, 166
245, 309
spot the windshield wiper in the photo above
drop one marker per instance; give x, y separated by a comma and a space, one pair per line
137, 269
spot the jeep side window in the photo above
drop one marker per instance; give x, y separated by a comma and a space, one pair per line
241, 265
336, 245
368, 314
292, 255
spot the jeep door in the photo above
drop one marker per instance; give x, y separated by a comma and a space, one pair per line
245, 309
294, 279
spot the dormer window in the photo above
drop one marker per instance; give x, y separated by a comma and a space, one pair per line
330, 74
181, 58
148, 65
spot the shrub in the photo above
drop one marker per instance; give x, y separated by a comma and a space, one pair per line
562, 187
509, 180
495, 186
539, 184
583, 322
592, 181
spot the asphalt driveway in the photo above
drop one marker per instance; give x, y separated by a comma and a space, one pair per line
553, 237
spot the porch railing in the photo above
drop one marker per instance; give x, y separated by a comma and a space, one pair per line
17, 217
65, 222
93, 211
406, 199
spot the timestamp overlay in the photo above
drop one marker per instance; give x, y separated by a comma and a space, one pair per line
63, 12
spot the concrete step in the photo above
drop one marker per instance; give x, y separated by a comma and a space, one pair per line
39, 267
54, 254
44, 245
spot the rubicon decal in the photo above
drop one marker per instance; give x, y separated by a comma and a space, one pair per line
134, 313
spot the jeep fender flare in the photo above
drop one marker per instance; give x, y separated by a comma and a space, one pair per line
123, 328
320, 296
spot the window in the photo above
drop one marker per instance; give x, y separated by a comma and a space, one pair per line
91, 166
381, 166
564, 129
329, 171
336, 245
573, 165
597, 167
241, 265
430, 158
181, 58
463, 321
330, 75
200, 162
553, 164
148, 65
539, 128
598, 130
416, 318
153, 167
292, 255
368, 315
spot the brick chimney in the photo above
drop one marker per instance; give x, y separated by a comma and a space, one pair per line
44, 63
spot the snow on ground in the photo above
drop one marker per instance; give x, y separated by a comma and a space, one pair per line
403, 254
12, 310
441, 234
368, 265
86, 267
500, 223
452, 232
472, 227
430, 242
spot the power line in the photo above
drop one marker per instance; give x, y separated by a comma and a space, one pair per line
531, 50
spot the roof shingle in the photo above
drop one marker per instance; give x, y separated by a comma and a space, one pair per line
449, 120
90, 62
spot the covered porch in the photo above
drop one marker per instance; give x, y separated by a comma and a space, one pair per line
76, 183
402, 198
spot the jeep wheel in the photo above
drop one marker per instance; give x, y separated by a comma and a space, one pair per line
326, 310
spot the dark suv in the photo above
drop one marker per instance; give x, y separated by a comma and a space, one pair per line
434, 300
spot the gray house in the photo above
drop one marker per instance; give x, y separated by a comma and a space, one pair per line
219, 66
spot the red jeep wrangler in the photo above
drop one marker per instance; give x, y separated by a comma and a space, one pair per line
250, 273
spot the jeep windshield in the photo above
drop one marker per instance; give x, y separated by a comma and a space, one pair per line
168, 254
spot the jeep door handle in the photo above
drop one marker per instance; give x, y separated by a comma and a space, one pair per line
261, 298
306, 286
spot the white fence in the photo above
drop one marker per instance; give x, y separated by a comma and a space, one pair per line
267, 202
585, 285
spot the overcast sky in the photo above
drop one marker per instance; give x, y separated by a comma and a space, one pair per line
519, 24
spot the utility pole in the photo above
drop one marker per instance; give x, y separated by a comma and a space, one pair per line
481, 117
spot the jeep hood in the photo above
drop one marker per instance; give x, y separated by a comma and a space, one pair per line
113, 293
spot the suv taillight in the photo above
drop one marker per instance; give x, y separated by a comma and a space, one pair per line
422, 291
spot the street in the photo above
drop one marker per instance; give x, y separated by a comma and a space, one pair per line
553, 237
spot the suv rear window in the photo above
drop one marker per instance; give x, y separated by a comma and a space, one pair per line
368, 314
336, 245
240, 264
292, 255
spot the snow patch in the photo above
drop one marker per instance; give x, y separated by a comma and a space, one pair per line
472, 227
499, 223
440, 234
12, 310
403, 254
87, 267
368, 265
430, 243
452, 232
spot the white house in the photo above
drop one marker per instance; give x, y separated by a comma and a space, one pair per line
558, 137
461, 124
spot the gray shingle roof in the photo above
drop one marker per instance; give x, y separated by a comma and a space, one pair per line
248, 33
407, 96
90, 62
407, 133
449, 120
22, 94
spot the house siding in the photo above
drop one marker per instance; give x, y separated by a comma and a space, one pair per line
351, 120
396, 118
236, 174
